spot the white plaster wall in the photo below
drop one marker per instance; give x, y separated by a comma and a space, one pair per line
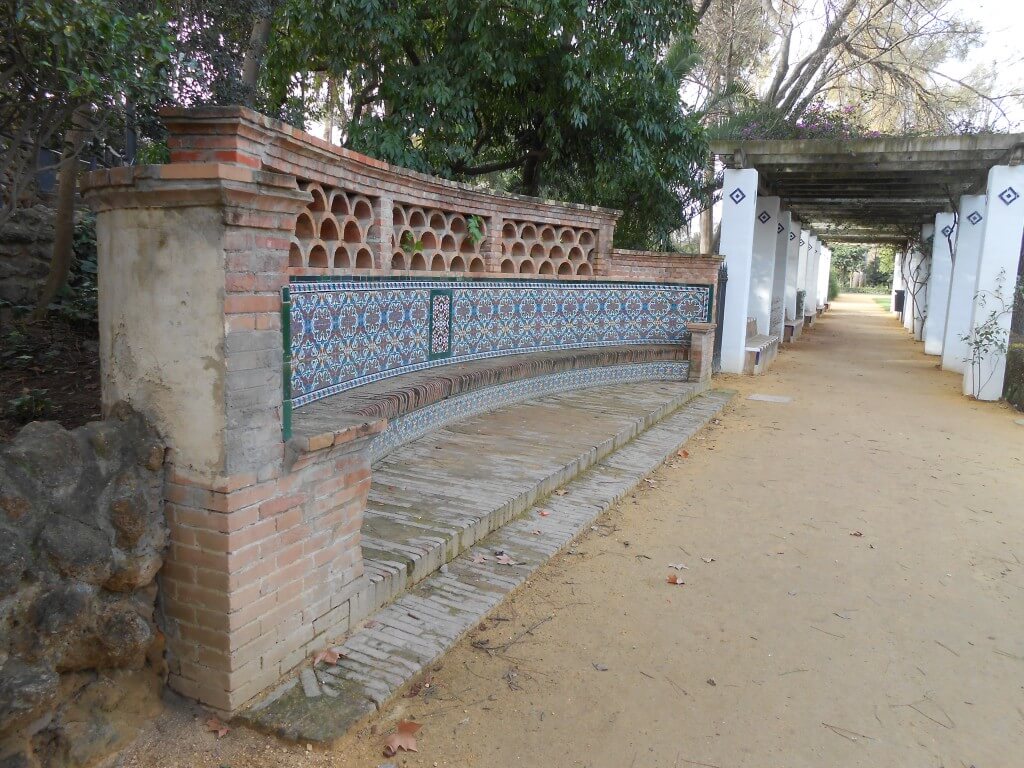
813, 265
762, 272
779, 273
997, 275
938, 283
792, 267
962, 282
161, 321
739, 201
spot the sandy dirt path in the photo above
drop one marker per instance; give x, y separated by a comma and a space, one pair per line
864, 605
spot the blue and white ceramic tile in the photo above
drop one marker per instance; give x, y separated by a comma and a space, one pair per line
346, 333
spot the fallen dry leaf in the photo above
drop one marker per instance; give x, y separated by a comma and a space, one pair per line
684, 454
216, 726
675, 578
544, 513
504, 559
708, 559
856, 533
478, 558
330, 655
561, 492
402, 739
536, 531
678, 566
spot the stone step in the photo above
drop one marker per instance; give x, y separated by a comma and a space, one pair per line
403, 639
435, 497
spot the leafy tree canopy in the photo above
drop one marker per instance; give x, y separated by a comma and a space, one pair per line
564, 98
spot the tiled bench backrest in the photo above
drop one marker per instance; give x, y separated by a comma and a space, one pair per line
345, 333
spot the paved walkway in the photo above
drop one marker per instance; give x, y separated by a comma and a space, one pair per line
854, 596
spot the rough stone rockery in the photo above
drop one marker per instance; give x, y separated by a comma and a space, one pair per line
82, 537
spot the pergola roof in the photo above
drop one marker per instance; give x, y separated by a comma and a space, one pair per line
871, 190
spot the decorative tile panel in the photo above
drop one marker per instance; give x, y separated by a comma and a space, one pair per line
345, 333
975, 217
737, 196
418, 423
764, 217
1009, 196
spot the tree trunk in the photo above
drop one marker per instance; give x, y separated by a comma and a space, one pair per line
707, 219
64, 219
252, 62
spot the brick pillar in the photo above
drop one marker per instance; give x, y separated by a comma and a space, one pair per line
265, 553
702, 349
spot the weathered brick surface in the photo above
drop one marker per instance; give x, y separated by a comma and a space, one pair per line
266, 559
406, 637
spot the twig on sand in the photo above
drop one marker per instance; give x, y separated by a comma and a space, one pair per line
492, 649
947, 648
826, 632
693, 762
846, 733
913, 705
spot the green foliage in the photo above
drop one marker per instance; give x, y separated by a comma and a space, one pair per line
411, 244
31, 405
563, 98
847, 259
475, 228
833, 285
152, 153
879, 271
82, 58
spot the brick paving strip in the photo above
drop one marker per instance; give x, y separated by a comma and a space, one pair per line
405, 637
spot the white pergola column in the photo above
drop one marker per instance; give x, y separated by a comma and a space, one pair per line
897, 278
938, 282
763, 267
801, 273
739, 212
909, 261
924, 270
970, 228
782, 230
996, 279
792, 268
824, 262
813, 265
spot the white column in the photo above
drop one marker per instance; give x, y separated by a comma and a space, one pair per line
971, 226
792, 267
823, 266
911, 260
813, 264
897, 278
996, 280
739, 213
923, 271
938, 283
779, 275
801, 273
763, 267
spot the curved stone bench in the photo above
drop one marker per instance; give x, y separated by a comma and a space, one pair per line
415, 403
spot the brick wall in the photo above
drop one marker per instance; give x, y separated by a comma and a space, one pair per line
265, 558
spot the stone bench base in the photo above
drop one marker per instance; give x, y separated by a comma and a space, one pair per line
761, 351
380, 658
